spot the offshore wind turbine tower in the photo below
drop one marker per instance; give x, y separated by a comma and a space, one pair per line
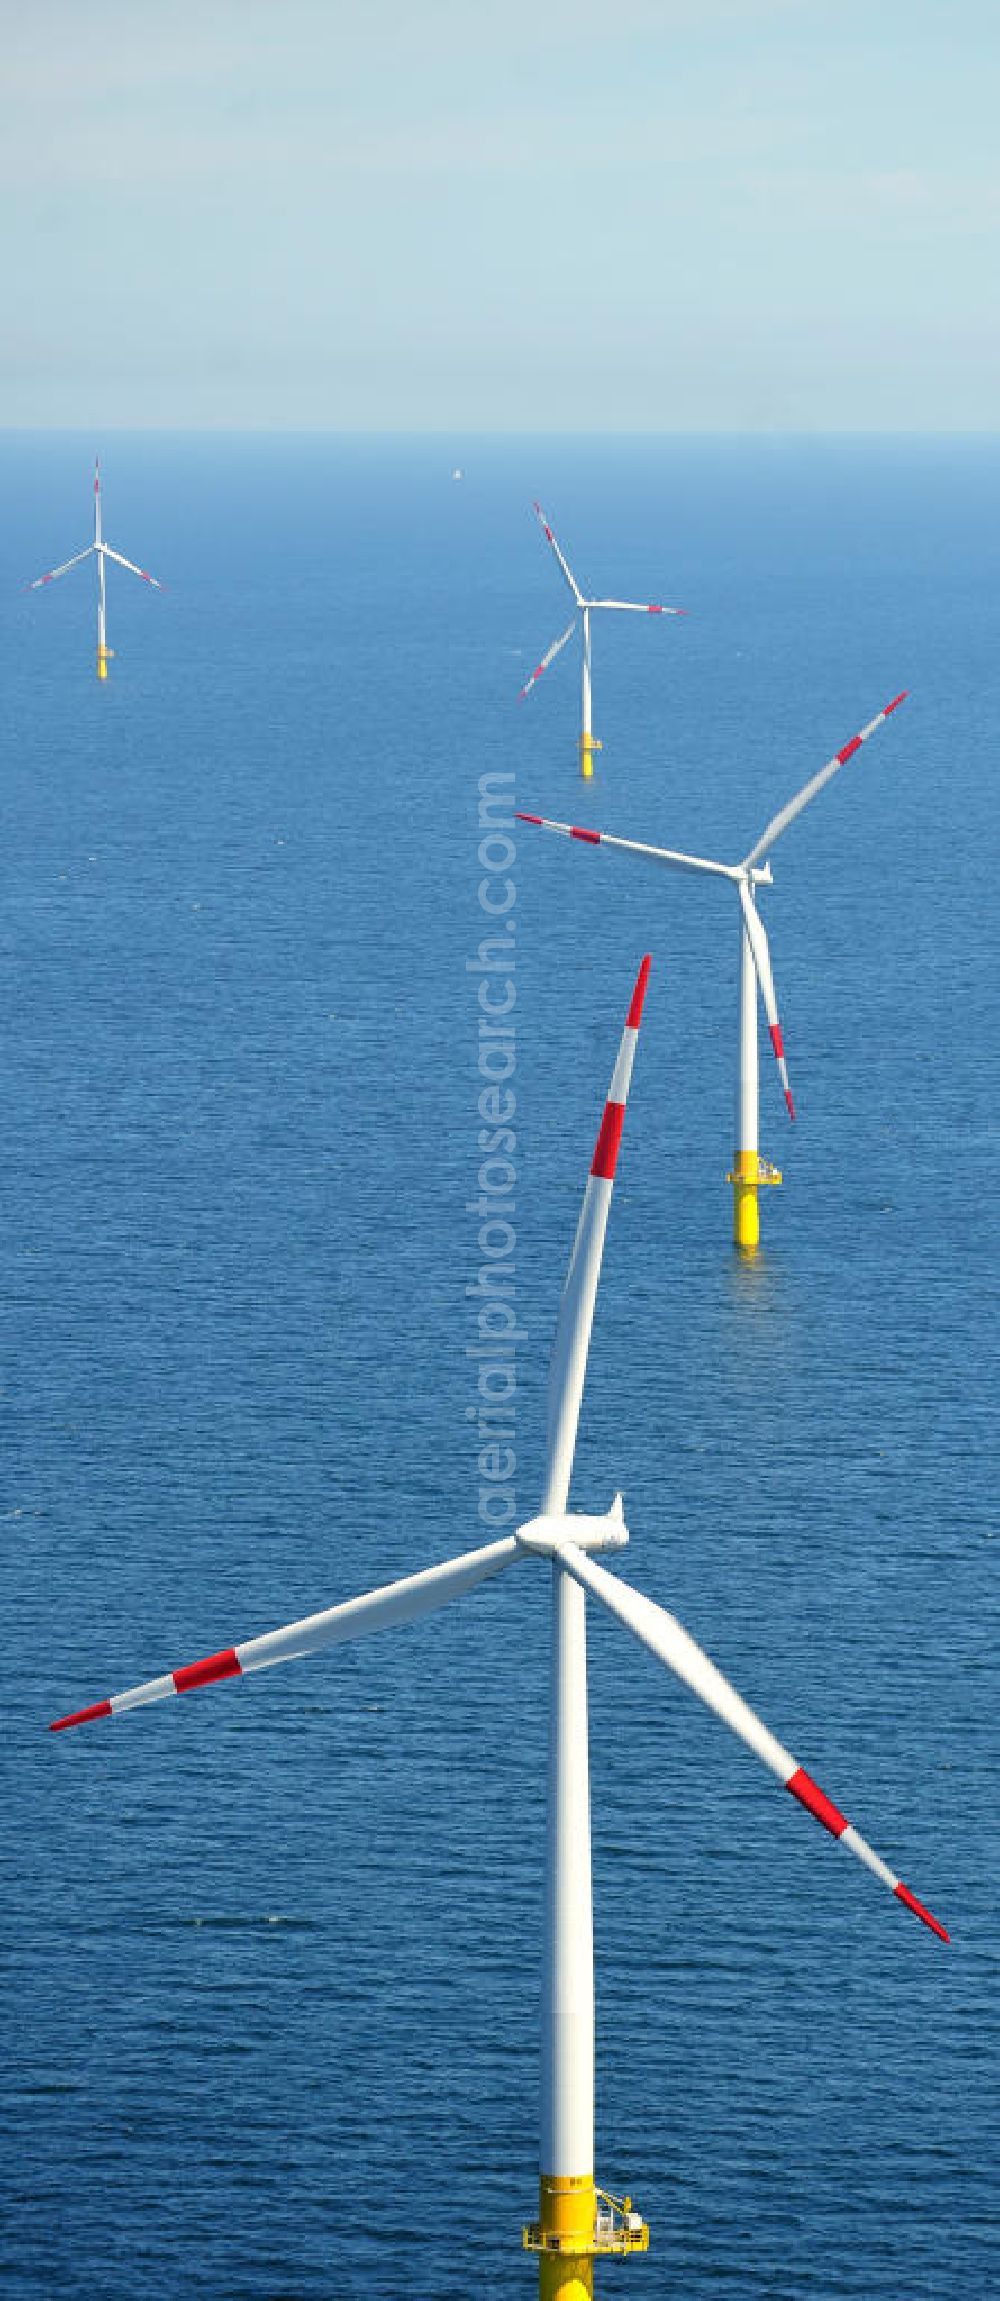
578, 2222
584, 608
100, 551
750, 1172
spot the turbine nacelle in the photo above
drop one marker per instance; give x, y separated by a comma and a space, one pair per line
546, 1535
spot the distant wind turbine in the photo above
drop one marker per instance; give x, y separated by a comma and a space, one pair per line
585, 608
101, 551
577, 2220
750, 1171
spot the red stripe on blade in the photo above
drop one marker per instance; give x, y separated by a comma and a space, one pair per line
849, 749
224, 1665
593, 838
528, 818
81, 1717
816, 1802
791, 1105
894, 706
777, 1042
638, 995
653, 609
608, 1143
904, 1895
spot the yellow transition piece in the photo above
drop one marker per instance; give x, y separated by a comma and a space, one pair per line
576, 2222
750, 1173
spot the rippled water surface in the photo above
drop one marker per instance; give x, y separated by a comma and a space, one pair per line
272, 1953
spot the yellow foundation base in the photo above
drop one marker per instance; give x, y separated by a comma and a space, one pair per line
588, 745
746, 1212
565, 2277
104, 656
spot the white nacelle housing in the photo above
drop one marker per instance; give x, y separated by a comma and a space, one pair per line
548, 1534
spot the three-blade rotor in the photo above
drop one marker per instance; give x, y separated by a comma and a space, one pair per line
584, 606
98, 549
556, 1534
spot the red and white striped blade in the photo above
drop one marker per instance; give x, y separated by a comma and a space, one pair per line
762, 963
548, 657
787, 814
568, 1368
564, 565
53, 572
636, 606
383, 1609
671, 1643
132, 568
673, 860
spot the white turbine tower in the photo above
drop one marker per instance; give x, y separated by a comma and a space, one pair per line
101, 551
577, 2221
585, 608
749, 1169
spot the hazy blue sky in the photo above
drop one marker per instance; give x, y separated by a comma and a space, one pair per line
612, 215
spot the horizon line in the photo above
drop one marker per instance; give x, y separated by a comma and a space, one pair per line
473, 432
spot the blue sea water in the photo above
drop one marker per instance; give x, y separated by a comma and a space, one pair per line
272, 1953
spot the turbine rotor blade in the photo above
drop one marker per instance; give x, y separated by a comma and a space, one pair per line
667, 855
130, 564
762, 963
636, 606
565, 568
568, 1368
548, 657
665, 1637
788, 813
53, 572
382, 1609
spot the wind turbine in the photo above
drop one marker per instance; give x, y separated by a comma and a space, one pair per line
585, 608
577, 2221
101, 551
750, 1171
